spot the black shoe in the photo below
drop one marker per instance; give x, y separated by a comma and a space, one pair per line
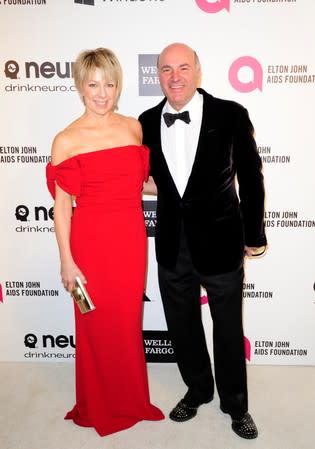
245, 427
183, 411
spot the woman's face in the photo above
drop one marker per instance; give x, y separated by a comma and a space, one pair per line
99, 94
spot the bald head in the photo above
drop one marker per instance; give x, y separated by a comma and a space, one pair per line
178, 47
179, 74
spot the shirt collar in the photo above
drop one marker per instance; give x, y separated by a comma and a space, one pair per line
194, 106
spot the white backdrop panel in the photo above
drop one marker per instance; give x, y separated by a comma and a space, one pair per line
39, 40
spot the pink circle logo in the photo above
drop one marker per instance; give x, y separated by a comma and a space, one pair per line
257, 74
213, 7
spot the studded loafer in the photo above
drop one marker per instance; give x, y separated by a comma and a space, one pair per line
245, 427
183, 412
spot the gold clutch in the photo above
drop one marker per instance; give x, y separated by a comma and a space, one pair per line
81, 297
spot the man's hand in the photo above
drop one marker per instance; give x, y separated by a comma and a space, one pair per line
254, 251
149, 187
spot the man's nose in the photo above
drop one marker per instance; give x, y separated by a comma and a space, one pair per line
175, 74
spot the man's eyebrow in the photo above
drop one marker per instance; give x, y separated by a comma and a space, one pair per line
168, 66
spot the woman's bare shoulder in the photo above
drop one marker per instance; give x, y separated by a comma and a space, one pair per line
133, 125
63, 144
132, 121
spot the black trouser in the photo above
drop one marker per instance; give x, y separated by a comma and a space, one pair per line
180, 292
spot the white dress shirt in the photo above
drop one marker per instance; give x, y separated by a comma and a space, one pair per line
179, 141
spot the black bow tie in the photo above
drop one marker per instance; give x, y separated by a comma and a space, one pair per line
170, 118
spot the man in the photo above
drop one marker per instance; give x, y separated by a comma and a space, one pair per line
199, 144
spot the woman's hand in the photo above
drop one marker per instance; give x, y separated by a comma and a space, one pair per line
68, 272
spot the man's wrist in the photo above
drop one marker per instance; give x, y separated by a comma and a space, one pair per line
258, 250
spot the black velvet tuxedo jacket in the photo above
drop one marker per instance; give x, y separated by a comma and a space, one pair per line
218, 218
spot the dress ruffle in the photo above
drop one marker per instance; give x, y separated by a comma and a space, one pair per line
66, 175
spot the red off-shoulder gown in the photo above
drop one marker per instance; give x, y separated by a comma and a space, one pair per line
108, 243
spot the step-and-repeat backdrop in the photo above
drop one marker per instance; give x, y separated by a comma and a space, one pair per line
257, 52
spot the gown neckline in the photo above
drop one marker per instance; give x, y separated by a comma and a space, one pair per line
123, 147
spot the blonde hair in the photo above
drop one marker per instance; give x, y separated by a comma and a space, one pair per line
100, 58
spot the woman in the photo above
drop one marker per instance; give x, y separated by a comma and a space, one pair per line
99, 160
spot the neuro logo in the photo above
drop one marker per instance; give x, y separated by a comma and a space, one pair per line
22, 212
11, 69
213, 7
1, 295
38, 213
33, 69
247, 349
85, 2
30, 340
31, 214
257, 74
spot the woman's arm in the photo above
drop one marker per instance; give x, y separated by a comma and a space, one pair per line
62, 220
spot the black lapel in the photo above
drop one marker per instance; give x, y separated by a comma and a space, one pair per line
208, 125
159, 158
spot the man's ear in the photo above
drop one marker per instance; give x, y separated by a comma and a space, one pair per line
199, 78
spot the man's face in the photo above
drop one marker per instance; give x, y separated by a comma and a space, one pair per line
179, 74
